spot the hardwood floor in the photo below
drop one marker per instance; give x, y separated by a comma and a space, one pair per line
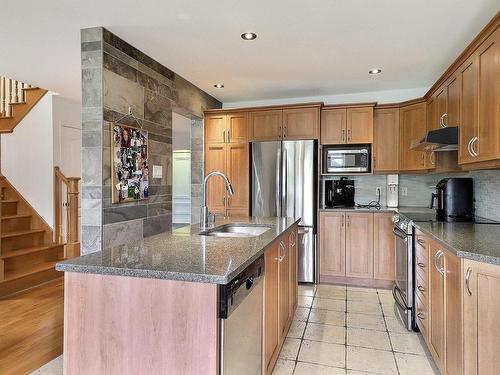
31, 328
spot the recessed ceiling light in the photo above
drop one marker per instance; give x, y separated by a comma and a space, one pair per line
248, 36
218, 85
375, 71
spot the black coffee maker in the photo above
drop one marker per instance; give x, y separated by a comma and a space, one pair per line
455, 200
339, 193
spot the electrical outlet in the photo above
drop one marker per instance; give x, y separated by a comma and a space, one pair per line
404, 191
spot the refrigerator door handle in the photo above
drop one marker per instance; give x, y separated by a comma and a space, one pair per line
284, 182
278, 180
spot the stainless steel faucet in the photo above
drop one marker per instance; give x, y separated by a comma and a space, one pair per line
207, 219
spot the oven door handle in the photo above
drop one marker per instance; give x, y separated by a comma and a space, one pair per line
394, 294
399, 233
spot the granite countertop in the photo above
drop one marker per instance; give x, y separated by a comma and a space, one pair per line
182, 254
361, 209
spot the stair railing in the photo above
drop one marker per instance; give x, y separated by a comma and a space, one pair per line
11, 91
66, 225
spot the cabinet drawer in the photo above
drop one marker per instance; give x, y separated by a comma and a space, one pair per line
422, 289
421, 265
421, 245
421, 316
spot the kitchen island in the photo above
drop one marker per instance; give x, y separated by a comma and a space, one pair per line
152, 306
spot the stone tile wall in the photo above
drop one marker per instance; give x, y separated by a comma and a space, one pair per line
116, 76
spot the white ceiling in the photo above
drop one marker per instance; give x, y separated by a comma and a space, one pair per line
304, 48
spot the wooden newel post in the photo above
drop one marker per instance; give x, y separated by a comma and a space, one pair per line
58, 208
73, 248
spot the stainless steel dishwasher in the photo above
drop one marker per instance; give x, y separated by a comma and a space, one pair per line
240, 313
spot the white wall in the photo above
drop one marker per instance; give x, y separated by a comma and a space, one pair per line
28, 158
388, 96
181, 132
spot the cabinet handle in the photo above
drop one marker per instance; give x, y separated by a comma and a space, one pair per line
224, 135
437, 257
474, 152
282, 252
421, 288
342, 220
421, 315
441, 120
285, 131
421, 242
279, 131
467, 281
432, 158
421, 265
423, 159
343, 135
228, 136
468, 146
374, 162
348, 220
348, 134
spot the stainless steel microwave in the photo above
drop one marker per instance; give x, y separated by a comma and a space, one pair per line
346, 159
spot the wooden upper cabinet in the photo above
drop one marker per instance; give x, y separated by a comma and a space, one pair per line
384, 246
468, 109
301, 123
359, 245
237, 168
215, 128
440, 109
386, 140
332, 244
266, 125
333, 126
452, 117
413, 126
237, 127
360, 125
215, 160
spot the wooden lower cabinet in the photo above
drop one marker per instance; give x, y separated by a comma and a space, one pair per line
280, 296
356, 247
437, 304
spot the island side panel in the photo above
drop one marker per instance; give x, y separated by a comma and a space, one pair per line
126, 325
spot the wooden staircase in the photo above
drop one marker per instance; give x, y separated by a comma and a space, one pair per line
28, 253
16, 100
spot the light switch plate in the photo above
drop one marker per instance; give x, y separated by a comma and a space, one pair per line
157, 171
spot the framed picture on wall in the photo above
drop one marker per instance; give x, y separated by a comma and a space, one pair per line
129, 167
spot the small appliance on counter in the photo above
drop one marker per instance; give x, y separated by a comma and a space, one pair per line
392, 190
338, 193
346, 159
455, 199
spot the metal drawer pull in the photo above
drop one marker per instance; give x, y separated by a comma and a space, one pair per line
421, 265
421, 316
467, 281
441, 120
438, 256
421, 288
421, 242
468, 146
475, 154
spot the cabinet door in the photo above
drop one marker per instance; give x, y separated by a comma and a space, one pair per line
360, 125
452, 102
384, 246
237, 168
301, 123
266, 125
359, 245
333, 126
440, 99
284, 288
270, 328
215, 160
487, 143
412, 127
292, 246
237, 127
481, 323
215, 128
468, 109
432, 120
386, 140
453, 314
437, 326
332, 244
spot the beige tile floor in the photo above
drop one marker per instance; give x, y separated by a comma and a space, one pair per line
350, 331
340, 330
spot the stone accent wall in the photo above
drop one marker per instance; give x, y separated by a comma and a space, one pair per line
116, 76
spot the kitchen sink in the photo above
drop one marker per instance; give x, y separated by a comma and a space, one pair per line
237, 230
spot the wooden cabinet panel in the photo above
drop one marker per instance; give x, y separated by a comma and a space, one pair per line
215, 127
292, 246
481, 323
237, 127
386, 140
301, 123
437, 311
384, 246
283, 288
468, 109
452, 102
359, 245
237, 167
332, 244
215, 160
266, 125
270, 329
333, 126
360, 125
440, 99
413, 126
453, 314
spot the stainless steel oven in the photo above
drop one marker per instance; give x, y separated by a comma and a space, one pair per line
403, 287
346, 159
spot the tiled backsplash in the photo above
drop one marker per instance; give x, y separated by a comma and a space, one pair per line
420, 187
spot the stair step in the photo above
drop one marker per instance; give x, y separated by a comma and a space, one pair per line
22, 233
11, 223
16, 103
28, 278
17, 216
30, 250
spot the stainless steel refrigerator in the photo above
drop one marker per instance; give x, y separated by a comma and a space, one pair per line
284, 176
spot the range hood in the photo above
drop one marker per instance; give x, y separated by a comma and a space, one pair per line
443, 139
